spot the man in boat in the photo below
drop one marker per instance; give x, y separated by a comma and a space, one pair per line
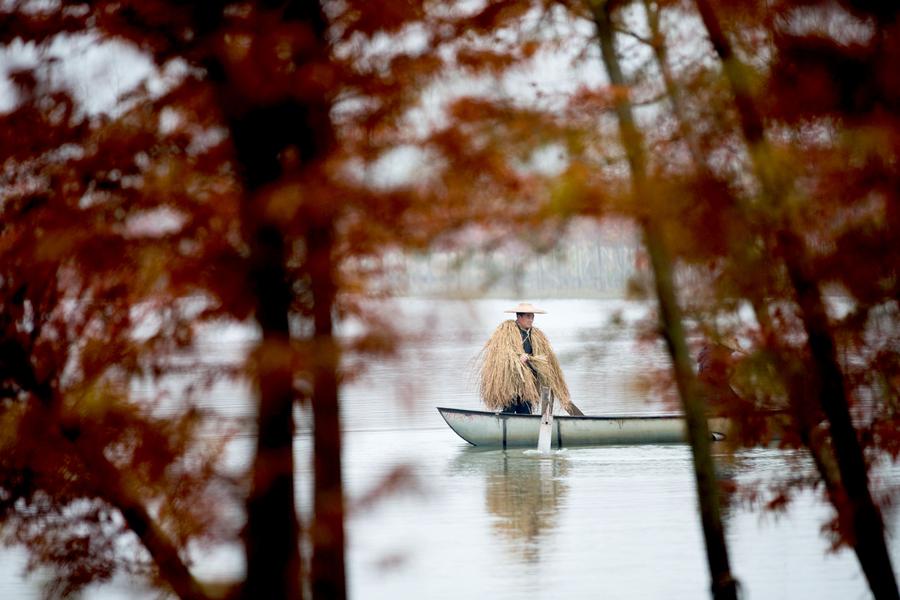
516, 362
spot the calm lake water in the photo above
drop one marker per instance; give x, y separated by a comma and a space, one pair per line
612, 522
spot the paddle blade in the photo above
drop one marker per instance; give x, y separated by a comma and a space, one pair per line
544, 435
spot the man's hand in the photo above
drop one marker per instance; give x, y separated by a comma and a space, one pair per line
524, 358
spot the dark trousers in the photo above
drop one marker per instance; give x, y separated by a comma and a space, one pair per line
518, 406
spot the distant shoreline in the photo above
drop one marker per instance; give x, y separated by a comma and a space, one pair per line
568, 294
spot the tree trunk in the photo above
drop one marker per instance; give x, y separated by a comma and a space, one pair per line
865, 518
327, 532
867, 527
272, 533
290, 137
723, 584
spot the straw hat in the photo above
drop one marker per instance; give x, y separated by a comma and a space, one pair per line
526, 307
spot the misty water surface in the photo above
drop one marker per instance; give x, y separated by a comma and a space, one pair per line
612, 522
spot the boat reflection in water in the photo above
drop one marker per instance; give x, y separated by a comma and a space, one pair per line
524, 491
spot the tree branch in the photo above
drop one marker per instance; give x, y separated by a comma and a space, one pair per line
120, 493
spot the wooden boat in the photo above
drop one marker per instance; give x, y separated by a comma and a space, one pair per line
502, 430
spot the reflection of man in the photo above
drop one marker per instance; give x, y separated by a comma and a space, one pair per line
516, 362
525, 495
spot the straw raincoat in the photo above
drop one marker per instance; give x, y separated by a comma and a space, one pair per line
502, 376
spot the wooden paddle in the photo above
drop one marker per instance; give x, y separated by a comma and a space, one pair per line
574, 410
545, 433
